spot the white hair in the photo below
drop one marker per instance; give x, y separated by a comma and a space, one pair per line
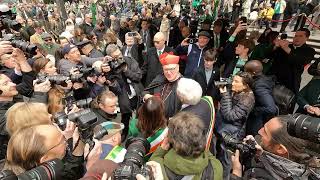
189, 91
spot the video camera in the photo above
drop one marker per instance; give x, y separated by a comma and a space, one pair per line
51, 170
86, 120
54, 79
247, 149
8, 21
117, 65
223, 82
133, 162
305, 127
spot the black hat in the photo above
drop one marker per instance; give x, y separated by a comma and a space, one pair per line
83, 43
204, 33
67, 48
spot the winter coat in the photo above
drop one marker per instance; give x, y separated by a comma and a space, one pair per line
235, 110
273, 167
187, 166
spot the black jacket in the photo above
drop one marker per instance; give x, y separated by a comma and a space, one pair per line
265, 107
272, 167
289, 67
172, 103
152, 66
208, 88
134, 75
136, 52
235, 110
87, 29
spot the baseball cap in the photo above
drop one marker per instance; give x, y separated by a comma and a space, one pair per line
111, 127
67, 48
204, 33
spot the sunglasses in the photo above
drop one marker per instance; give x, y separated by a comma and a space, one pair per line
47, 40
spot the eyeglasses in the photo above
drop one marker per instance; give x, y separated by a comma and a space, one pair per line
169, 69
62, 141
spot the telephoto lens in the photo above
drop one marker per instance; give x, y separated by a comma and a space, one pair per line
305, 127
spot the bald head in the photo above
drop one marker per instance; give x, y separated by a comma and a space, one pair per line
253, 67
159, 35
159, 41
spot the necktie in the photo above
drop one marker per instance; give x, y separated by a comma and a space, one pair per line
159, 52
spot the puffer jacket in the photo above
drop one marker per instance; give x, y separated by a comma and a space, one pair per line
235, 110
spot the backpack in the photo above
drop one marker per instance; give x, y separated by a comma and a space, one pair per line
284, 98
207, 174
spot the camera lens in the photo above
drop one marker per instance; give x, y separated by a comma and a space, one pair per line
305, 127
51, 170
137, 148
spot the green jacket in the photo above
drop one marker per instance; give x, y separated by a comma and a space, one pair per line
187, 165
310, 94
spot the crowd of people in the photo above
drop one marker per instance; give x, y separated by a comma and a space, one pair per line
178, 86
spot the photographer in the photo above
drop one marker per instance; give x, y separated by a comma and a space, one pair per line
86, 48
290, 59
134, 47
182, 154
280, 156
129, 79
33, 146
194, 51
105, 106
235, 108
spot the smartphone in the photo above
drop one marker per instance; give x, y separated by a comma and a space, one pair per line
132, 34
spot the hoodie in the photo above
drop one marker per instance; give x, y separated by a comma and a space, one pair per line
190, 167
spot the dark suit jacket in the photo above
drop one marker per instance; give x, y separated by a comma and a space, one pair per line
289, 67
136, 52
208, 88
152, 66
223, 39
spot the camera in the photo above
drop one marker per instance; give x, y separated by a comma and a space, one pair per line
117, 65
305, 127
86, 120
26, 47
132, 34
133, 162
223, 82
284, 36
84, 72
83, 103
8, 21
54, 79
192, 40
51, 170
247, 150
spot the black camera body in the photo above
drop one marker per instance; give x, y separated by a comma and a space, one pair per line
8, 21
25, 46
54, 79
192, 40
51, 170
133, 162
247, 150
223, 82
117, 65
